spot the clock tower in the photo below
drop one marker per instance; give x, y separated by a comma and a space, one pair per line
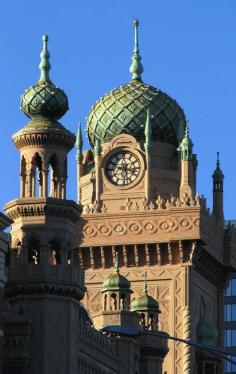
137, 187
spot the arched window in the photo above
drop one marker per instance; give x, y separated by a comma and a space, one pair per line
34, 251
36, 177
55, 253
143, 323
113, 302
53, 176
123, 302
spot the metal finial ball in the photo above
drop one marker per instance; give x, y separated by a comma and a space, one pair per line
136, 22
45, 38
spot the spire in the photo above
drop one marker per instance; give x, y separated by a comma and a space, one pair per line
44, 65
145, 290
186, 145
97, 147
218, 175
79, 143
136, 67
148, 132
117, 262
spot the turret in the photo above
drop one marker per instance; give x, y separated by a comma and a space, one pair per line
188, 166
218, 192
116, 293
43, 260
148, 309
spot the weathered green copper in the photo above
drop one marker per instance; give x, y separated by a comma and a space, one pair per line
124, 110
136, 67
186, 145
218, 176
79, 144
44, 65
44, 99
97, 148
145, 302
148, 132
116, 281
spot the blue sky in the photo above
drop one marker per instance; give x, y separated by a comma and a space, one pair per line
188, 50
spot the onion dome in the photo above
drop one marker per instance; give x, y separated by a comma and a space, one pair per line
124, 110
44, 99
116, 281
206, 333
145, 302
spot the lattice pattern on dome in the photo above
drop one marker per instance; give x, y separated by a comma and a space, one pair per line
44, 99
124, 110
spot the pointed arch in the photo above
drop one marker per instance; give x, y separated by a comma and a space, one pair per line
34, 251
55, 252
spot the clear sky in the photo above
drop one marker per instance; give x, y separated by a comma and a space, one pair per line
188, 50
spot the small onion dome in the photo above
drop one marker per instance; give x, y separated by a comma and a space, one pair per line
116, 282
206, 333
44, 99
145, 302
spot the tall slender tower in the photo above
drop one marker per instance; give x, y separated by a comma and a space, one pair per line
44, 283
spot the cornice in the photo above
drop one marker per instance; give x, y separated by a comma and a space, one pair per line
30, 207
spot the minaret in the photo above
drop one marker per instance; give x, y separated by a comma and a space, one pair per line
187, 183
218, 192
79, 159
44, 282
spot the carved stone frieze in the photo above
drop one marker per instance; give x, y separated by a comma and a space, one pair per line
157, 227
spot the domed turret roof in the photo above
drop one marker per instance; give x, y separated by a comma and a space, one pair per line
124, 110
145, 302
116, 281
44, 99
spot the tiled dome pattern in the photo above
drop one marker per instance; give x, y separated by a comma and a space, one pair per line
44, 100
124, 110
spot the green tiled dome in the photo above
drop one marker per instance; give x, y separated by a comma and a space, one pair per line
124, 110
44, 99
145, 302
116, 281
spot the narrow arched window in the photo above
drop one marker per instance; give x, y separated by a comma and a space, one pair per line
34, 252
55, 253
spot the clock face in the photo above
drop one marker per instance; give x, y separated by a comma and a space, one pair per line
123, 168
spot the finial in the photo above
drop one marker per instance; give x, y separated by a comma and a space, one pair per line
145, 283
117, 262
187, 129
79, 143
218, 160
136, 67
44, 65
148, 132
98, 148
